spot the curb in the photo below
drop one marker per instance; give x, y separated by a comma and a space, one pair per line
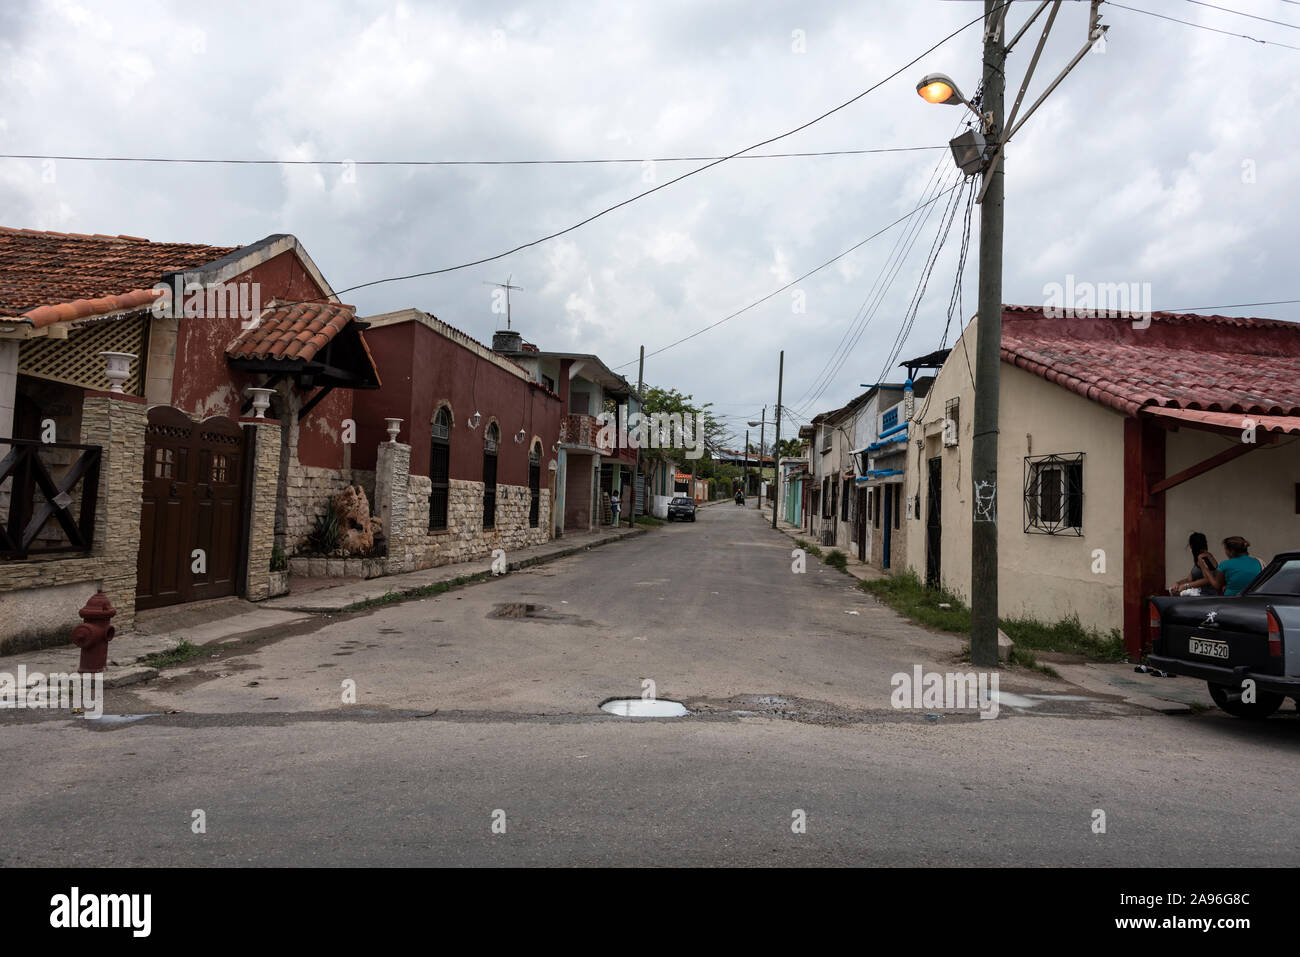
474, 575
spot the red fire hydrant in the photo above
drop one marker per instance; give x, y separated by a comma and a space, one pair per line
94, 633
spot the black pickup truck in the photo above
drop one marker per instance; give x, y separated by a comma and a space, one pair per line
1246, 647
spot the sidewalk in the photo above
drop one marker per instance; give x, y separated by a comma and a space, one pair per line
859, 570
1165, 695
226, 620
344, 596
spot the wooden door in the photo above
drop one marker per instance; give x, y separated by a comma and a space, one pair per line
191, 515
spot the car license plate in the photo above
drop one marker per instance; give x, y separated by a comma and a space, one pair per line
1209, 649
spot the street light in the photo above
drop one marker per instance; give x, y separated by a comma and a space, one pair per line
969, 150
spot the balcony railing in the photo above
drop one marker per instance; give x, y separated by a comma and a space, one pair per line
584, 430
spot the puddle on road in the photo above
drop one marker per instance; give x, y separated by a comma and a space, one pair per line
114, 719
641, 708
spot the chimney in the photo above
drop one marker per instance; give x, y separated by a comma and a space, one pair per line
506, 340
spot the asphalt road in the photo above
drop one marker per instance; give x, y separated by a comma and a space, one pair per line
476, 739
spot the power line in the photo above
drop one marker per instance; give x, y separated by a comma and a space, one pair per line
1280, 23
932, 183
541, 162
837, 362
777, 292
862, 318
1233, 305
675, 179
1201, 26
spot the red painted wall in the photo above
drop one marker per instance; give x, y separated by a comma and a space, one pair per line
420, 370
204, 384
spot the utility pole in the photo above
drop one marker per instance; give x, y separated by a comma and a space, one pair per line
640, 384
762, 429
744, 479
776, 445
988, 362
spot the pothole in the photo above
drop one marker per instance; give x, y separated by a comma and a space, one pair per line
643, 708
517, 609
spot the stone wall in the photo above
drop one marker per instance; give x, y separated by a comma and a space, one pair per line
307, 493
403, 501
264, 447
39, 598
465, 538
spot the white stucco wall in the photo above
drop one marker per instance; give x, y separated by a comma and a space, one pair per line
1044, 576
1253, 496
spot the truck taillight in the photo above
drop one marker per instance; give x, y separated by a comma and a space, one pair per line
1153, 631
1274, 635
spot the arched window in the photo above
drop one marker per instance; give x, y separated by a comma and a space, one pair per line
440, 469
534, 484
490, 476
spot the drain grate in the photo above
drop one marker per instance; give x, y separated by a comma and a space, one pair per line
643, 708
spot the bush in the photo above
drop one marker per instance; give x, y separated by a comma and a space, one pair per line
837, 559
278, 560
327, 534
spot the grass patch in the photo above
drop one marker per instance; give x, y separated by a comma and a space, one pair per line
650, 520
837, 559
181, 653
906, 594
1068, 635
424, 591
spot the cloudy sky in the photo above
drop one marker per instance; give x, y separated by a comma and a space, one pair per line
1169, 159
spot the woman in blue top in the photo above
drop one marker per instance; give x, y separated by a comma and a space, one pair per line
1239, 569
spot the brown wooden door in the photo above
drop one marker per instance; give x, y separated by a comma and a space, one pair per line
191, 515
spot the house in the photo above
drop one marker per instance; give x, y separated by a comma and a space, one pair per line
839, 515
794, 472
127, 372
591, 461
477, 467
1117, 439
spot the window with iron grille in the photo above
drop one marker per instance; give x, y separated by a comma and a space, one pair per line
1054, 494
490, 476
952, 410
439, 469
534, 485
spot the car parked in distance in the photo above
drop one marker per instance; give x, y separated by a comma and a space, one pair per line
1245, 647
681, 507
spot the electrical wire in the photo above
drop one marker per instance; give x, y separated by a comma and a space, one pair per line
1201, 26
1234, 305
777, 292
1280, 23
932, 183
542, 162
676, 179
863, 318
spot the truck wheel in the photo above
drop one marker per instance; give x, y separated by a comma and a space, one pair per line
1266, 702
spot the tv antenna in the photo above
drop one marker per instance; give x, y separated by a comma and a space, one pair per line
507, 287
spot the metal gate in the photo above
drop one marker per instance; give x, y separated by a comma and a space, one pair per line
933, 525
191, 516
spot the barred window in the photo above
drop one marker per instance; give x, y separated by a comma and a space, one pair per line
1054, 494
490, 476
439, 469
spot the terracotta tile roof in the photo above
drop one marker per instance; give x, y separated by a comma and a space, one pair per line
293, 331
1181, 361
84, 275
